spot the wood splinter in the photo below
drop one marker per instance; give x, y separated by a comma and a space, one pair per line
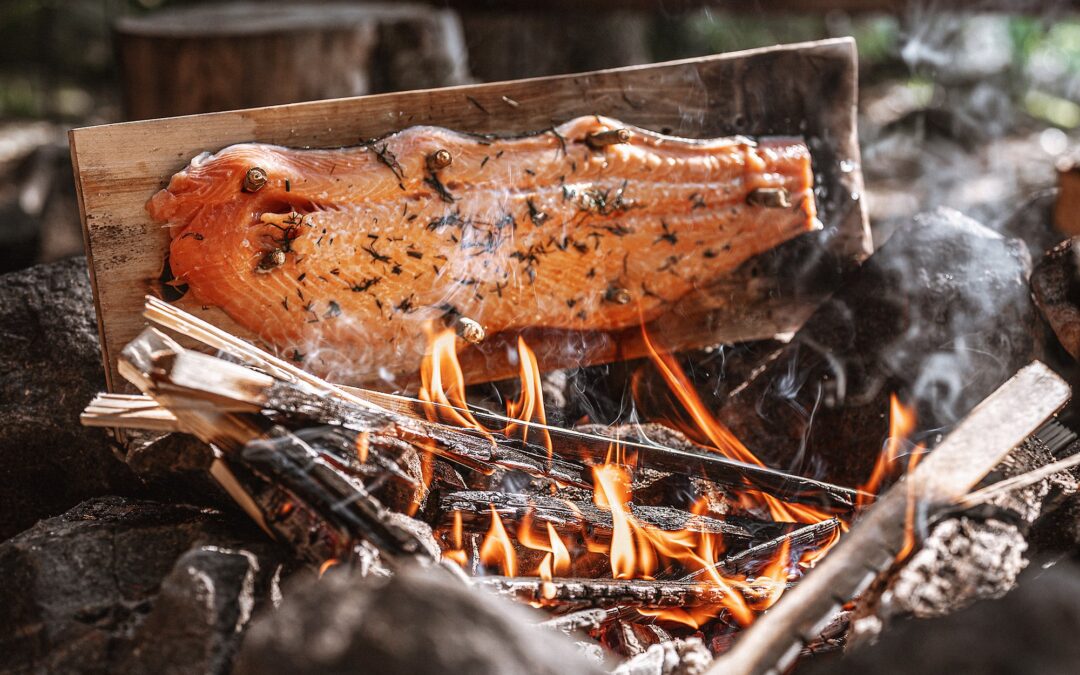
769, 197
440, 159
600, 139
255, 179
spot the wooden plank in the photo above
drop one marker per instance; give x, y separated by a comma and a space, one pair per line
996, 426
806, 89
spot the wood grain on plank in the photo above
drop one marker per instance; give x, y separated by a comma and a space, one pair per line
807, 89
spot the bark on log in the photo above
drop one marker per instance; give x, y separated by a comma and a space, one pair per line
242, 55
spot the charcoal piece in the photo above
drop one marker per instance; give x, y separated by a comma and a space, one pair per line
941, 315
106, 586
1031, 630
198, 617
51, 368
421, 620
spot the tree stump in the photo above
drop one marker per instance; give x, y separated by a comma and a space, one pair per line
239, 55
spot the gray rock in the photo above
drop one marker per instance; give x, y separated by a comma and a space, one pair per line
421, 620
50, 368
128, 586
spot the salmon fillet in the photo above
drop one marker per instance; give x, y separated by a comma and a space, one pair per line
342, 257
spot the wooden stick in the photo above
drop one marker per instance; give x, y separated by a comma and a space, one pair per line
575, 449
750, 561
582, 593
128, 412
996, 426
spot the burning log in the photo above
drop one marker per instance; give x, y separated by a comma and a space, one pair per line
622, 593
941, 314
569, 516
750, 561
999, 424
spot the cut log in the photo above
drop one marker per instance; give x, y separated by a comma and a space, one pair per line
940, 315
996, 426
568, 516
579, 593
243, 55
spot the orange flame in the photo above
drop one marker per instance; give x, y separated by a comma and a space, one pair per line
901, 425
497, 548
438, 367
362, 447
327, 564
530, 404
909, 513
723, 440
457, 554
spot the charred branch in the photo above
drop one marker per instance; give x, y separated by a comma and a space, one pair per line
579, 593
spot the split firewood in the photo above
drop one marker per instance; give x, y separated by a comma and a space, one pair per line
979, 443
622, 593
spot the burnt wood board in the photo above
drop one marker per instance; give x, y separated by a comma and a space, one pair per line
806, 89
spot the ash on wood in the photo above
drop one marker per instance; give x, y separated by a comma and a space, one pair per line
578, 593
241, 55
940, 315
418, 621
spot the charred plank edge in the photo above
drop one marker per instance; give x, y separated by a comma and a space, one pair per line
997, 425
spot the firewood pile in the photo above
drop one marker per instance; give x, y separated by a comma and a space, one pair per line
659, 547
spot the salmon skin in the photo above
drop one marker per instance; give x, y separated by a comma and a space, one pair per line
340, 259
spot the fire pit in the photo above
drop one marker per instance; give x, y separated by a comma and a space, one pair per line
877, 444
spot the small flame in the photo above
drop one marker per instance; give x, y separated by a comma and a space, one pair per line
327, 564
530, 404
362, 447
724, 441
497, 548
457, 554
440, 367
613, 492
909, 513
901, 425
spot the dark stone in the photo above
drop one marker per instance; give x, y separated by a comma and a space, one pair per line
421, 620
51, 368
130, 586
1030, 630
940, 315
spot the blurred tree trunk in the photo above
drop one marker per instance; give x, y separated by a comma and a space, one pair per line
239, 55
509, 44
